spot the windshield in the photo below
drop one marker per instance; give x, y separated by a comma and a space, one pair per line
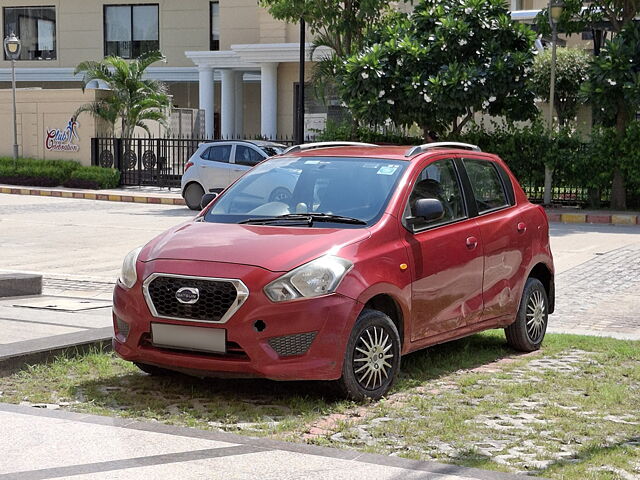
313, 191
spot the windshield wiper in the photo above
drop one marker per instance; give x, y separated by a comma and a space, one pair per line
304, 218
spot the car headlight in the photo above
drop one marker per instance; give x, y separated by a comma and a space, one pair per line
318, 277
128, 275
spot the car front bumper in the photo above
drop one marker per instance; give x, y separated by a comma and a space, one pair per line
297, 340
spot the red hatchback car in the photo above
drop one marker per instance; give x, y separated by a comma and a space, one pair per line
377, 252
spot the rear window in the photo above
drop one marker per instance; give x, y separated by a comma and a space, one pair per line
486, 184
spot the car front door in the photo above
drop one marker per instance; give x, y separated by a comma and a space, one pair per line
245, 158
501, 231
215, 166
446, 257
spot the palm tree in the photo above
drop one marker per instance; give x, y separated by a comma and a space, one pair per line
133, 99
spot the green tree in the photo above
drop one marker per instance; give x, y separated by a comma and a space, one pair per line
572, 68
132, 98
440, 65
614, 90
620, 14
340, 25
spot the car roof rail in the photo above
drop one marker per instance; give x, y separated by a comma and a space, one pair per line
311, 146
423, 148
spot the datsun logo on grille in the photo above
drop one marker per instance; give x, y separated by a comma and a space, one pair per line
188, 295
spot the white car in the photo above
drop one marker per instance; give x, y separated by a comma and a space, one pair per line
215, 165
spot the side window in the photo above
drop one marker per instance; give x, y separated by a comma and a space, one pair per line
247, 156
218, 153
440, 181
486, 185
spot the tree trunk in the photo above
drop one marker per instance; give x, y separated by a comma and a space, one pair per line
618, 190
426, 134
548, 183
618, 185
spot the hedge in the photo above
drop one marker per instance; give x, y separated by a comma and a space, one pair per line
53, 173
576, 162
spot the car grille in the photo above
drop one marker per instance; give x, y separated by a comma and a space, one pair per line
291, 345
216, 298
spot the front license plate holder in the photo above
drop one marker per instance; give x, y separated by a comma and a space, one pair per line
183, 337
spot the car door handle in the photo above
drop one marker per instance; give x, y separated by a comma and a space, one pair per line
522, 227
472, 242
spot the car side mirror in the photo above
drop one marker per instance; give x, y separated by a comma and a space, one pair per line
426, 210
207, 198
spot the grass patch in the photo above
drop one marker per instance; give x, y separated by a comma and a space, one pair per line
570, 412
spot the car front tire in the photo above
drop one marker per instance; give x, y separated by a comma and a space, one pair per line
193, 196
527, 332
153, 370
372, 357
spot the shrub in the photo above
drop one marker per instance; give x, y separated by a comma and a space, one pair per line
93, 178
52, 173
351, 132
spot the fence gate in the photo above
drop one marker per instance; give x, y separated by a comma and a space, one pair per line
144, 161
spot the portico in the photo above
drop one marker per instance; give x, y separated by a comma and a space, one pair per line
236, 67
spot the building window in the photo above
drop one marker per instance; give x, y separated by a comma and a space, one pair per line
214, 41
130, 30
36, 28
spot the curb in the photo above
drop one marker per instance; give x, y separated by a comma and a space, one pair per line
109, 197
591, 218
15, 356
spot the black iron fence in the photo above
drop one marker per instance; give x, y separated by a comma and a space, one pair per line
148, 161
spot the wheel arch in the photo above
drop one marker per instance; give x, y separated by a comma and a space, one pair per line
191, 182
387, 304
543, 273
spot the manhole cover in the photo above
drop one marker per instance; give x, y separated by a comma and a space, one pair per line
62, 303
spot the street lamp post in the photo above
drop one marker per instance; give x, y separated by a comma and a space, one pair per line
12, 47
300, 106
554, 9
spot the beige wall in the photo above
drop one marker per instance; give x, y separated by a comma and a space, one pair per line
184, 25
40, 110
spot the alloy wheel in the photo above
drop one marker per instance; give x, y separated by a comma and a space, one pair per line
536, 316
372, 357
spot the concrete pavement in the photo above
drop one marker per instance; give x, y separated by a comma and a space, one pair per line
38, 444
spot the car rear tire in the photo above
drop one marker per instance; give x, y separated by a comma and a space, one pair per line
527, 332
372, 357
193, 196
153, 370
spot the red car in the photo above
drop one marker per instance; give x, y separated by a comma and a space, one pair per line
378, 252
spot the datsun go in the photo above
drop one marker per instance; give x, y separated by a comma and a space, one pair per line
377, 252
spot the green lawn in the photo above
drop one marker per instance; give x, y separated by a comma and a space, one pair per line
571, 411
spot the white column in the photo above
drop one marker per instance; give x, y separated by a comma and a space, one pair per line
239, 111
228, 103
205, 84
269, 100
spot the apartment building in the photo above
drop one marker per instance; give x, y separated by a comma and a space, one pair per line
227, 57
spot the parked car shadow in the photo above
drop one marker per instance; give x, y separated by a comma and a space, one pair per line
242, 401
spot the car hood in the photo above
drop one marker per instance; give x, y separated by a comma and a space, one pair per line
278, 249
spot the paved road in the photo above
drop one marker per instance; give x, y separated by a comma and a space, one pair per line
77, 238
73, 241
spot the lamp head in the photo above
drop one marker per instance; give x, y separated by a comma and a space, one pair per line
12, 46
556, 7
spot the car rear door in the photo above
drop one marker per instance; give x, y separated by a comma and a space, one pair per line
445, 255
215, 166
501, 231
